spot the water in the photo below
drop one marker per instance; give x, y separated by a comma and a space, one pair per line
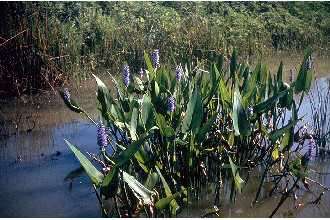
35, 162
33, 165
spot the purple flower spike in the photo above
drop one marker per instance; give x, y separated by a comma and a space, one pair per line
102, 140
311, 146
178, 72
155, 58
171, 104
66, 94
126, 75
141, 72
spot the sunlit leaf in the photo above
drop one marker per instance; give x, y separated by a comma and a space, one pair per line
95, 175
168, 193
150, 67
141, 191
133, 124
237, 179
275, 153
152, 180
240, 119
164, 128
164, 202
224, 94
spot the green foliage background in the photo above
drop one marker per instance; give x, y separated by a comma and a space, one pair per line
85, 37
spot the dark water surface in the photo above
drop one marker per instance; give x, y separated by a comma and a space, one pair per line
35, 162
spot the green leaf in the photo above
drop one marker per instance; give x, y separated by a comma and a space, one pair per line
165, 129
142, 158
275, 135
194, 113
138, 83
224, 94
130, 151
71, 104
103, 94
164, 202
133, 125
304, 77
287, 99
206, 128
214, 83
288, 138
237, 179
154, 89
148, 115
231, 139
296, 167
164, 81
149, 65
110, 177
280, 73
106, 101
233, 63
141, 191
240, 119
169, 132
168, 193
95, 175
152, 180
275, 153
269, 103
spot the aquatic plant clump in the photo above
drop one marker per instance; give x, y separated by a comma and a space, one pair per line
171, 139
319, 107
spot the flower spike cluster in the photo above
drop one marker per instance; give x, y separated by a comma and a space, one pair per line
102, 140
178, 72
171, 104
66, 94
155, 58
126, 75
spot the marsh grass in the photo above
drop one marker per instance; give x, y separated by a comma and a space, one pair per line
49, 42
319, 104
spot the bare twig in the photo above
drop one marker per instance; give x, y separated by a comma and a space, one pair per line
12, 37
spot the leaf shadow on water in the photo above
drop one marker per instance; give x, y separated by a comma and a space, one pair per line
71, 176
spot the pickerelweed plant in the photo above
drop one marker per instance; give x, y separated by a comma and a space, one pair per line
168, 133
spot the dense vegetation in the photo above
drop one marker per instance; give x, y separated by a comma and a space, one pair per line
41, 43
165, 136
